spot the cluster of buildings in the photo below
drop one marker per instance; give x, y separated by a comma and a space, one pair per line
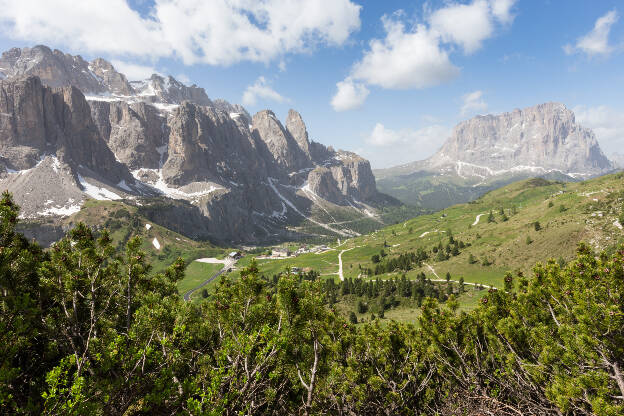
283, 252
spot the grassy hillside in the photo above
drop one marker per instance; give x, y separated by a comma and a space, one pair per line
433, 191
162, 246
506, 240
196, 273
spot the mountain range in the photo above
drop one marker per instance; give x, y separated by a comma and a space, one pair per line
71, 130
489, 151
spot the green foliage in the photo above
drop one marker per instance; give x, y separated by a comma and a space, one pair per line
537, 226
441, 256
529, 240
85, 330
403, 262
21, 331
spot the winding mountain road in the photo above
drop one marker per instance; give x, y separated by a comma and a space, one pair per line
340, 262
228, 263
456, 281
476, 221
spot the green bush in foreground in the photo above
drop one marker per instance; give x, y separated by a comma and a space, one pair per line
87, 331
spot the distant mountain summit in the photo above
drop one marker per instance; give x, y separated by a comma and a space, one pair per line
541, 139
97, 80
58, 69
486, 151
72, 130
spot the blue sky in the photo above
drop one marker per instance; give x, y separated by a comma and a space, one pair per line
435, 63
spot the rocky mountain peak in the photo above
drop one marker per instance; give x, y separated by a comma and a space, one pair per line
170, 91
57, 69
115, 82
543, 138
279, 141
71, 130
297, 128
234, 110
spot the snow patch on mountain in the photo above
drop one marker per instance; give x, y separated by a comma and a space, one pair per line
64, 211
96, 192
174, 193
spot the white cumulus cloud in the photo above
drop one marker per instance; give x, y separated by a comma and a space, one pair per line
473, 103
388, 147
418, 56
216, 32
596, 42
261, 91
501, 9
405, 59
350, 95
467, 25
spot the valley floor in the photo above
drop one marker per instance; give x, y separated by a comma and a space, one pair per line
498, 231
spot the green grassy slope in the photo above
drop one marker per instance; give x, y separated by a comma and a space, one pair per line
196, 273
568, 213
434, 191
124, 222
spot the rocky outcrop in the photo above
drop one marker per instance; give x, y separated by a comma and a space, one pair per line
542, 138
37, 120
285, 150
234, 110
355, 177
346, 177
206, 144
80, 142
113, 81
206, 168
96, 78
170, 91
321, 182
136, 133
57, 69
297, 129
23, 132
